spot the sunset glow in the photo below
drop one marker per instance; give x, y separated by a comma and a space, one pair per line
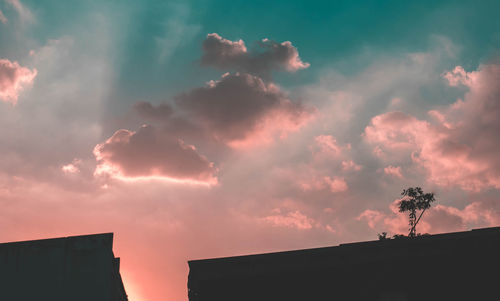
198, 129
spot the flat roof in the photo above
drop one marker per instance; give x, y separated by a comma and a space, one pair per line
89, 240
349, 248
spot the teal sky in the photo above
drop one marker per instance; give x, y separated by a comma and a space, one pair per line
346, 35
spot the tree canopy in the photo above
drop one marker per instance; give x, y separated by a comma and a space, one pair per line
413, 200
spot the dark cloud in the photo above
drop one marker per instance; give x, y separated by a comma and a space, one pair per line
147, 110
240, 104
150, 152
237, 110
270, 55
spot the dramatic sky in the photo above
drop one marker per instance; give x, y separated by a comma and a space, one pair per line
210, 128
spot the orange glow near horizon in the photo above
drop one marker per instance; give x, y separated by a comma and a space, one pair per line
132, 290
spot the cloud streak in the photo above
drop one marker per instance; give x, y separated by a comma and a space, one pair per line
24, 13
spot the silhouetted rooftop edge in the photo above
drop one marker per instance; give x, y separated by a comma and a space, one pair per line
447, 266
481, 232
81, 267
107, 235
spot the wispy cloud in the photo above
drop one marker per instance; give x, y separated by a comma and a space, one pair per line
3, 19
177, 30
24, 13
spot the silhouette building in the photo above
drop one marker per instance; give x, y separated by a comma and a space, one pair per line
77, 268
451, 266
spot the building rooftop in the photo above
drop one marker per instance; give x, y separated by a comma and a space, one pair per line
349, 248
459, 259
66, 268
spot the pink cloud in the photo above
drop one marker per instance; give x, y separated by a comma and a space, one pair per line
446, 160
350, 165
394, 171
312, 184
326, 169
150, 153
328, 144
335, 184
225, 54
393, 222
241, 109
395, 131
13, 79
459, 76
478, 213
460, 146
73, 167
326, 148
437, 219
293, 219
372, 217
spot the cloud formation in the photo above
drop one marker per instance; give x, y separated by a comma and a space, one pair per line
73, 167
438, 219
13, 79
241, 108
394, 171
149, 152
459, 147
270, 55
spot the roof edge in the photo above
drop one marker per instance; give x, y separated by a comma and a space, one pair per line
472, 232
103, 235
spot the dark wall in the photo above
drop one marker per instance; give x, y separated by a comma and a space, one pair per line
73, 268
460, 266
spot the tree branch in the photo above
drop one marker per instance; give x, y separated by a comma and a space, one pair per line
415, 225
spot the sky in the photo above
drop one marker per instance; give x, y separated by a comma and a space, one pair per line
200, 129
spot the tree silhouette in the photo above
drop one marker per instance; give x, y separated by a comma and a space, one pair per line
415, 199
383, 236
